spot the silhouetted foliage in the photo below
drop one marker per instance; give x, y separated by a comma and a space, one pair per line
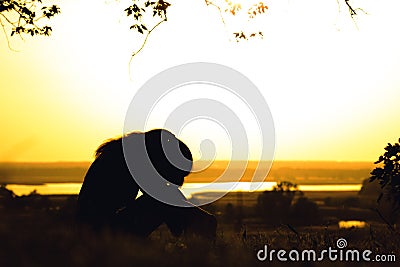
370, 189
225, 8
305, 211
286, 204
6, 197
275, 205
23, 17
287, 188
388, 175
5, 192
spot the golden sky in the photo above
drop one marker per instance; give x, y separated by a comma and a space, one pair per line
333, 90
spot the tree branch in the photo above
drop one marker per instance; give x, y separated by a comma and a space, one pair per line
351, 9
5, 34
209, 3
145, 40
385, 220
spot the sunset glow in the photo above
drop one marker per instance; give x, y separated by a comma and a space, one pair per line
333, 90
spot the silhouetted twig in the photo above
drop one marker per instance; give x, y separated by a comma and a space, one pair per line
147, 36
293, 230
145, 41
7, 39
386, 221
209, 3
352, 11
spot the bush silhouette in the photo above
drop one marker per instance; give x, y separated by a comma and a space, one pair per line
388, 176
305, 212
275, 205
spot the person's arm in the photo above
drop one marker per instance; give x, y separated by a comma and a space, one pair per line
189, 218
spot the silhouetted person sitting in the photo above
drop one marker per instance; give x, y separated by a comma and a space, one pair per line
108, 194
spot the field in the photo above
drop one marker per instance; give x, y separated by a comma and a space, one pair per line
41, 231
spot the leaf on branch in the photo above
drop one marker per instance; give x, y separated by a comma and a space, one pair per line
160, 8
388, 175
23, 16
128, 11
257, 9
49, 12
47, 30
139, 27
239, 35
234, 9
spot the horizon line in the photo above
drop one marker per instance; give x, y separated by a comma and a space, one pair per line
217, 160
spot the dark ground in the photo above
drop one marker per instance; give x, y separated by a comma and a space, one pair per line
41, 231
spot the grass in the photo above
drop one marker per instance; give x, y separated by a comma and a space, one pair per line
52, 238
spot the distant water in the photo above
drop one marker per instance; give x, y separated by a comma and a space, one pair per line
352, 224
188, 188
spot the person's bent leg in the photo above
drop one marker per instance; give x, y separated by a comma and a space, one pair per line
191, 220
141, 217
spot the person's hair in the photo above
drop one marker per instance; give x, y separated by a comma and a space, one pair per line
169, 156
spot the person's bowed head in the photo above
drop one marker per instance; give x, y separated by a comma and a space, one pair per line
156, 162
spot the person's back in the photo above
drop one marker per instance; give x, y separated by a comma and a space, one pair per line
108, 185
108, 194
